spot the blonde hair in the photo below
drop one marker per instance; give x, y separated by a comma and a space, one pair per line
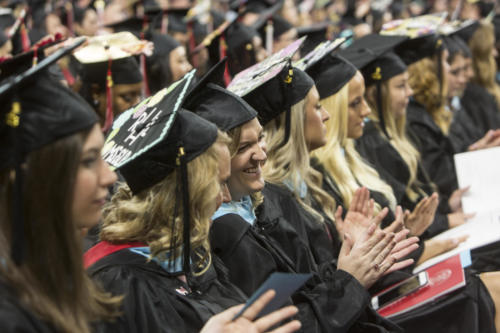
396, 128
235, 136
429, 91
147, 216
290, 162
485, 67
347, 168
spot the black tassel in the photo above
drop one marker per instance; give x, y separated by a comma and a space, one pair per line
288, 117
186, 213
17, 240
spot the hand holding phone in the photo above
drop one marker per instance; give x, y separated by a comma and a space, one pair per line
283, 284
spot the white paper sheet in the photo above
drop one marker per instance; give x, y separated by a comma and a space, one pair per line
481, 171
482, 229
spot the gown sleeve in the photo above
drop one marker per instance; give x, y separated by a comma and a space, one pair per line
332, 300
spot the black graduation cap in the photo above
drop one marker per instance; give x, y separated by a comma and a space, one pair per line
316, 34
23, 61
252, 6
373, 56
454, 45
273, 86
270, 26
46, 112
142, 142
218, 105
151, 140
496, 24
35, 110
7, 19
134, 24
280, 26
367, 53
322, 50
415, 49
109, 60
466, 30
158, 64
331, 74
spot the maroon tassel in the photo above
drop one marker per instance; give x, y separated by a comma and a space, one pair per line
222, 55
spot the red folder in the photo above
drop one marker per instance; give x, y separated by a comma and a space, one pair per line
444, 277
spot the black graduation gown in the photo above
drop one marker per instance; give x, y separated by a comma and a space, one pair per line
156, 301
331, 301
384, 157
463, 131
15, 318
481, 107
436, 149
379, 152
474, 297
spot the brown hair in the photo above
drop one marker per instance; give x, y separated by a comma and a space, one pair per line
51, 281
485, 67
429, 91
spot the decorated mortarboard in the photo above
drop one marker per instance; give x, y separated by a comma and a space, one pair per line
330, 74
273, 86
424, 40
373, 56
36, 110
108, 60
218, 105
140, 143
156, 137
322, 50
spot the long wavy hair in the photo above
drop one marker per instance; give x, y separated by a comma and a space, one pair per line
51, 281
396, 128
147, 216
341, 159
290, 163
481, 45
429, 91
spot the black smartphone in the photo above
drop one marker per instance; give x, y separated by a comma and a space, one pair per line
399, 290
